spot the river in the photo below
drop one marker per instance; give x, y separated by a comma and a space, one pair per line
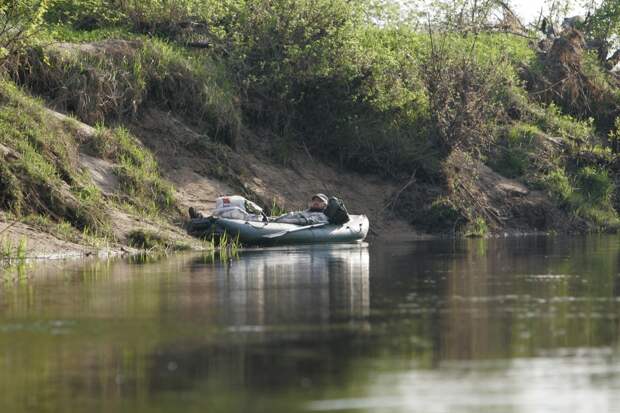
511, 325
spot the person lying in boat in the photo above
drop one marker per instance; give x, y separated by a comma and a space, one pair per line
315, 214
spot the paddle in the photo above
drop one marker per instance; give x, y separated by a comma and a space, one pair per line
288, 231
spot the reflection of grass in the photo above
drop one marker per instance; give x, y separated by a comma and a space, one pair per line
13, 258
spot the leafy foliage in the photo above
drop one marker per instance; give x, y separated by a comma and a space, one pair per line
361, 84
19, 22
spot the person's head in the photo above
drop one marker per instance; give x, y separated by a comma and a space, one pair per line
318, 202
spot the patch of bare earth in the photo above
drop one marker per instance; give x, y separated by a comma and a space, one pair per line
508, 206
39, 244
202, 170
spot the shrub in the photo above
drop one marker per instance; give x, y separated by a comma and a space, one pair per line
595, 186
441, 216
20, 20
85, 14
464, 99
113, 80
558, 185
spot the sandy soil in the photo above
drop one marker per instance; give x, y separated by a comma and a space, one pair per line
200, 176
191, 170
39, 244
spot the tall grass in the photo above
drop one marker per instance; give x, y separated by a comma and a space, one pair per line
223, 247
114, 81
11, 253
138, 173
588, 194
41, 174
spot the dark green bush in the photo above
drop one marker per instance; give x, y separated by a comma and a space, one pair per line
85, 14
595, 185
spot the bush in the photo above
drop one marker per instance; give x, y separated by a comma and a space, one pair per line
595, 186
85, 14
465, 99
113, 80
441, 216
558, 185
20, 20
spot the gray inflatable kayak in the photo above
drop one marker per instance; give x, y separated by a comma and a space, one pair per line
270, 233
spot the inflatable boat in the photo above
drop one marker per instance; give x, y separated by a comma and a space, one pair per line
243, 220
271, 233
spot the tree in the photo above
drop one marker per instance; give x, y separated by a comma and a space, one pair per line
603, 26
19, 21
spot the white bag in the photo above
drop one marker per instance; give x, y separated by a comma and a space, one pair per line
237, 207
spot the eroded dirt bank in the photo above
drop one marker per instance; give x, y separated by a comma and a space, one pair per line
200, 167
200, 171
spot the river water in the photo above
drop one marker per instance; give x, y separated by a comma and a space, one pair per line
515, 325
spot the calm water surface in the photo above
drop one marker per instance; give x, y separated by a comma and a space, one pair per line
520, 325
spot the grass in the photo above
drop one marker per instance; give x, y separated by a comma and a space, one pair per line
13, 259
136, 169
152, 241
223, 248
587, 194
68, 33
276, 210
42, 167
355, 96
476, 229
11, 253
114, 83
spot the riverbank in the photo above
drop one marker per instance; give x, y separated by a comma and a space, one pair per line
111, 130
195, 171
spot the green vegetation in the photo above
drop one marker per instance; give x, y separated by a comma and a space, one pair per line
10, 252
13, 258
351, 83
114, 83
43, 182
140, 183
276, 209
152, 241
223, 247
39, 172
477, 229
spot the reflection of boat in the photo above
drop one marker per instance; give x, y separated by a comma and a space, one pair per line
296, 285
268, 233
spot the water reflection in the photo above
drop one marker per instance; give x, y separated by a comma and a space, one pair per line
144, 333
278, 309
317, 285
516, 325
